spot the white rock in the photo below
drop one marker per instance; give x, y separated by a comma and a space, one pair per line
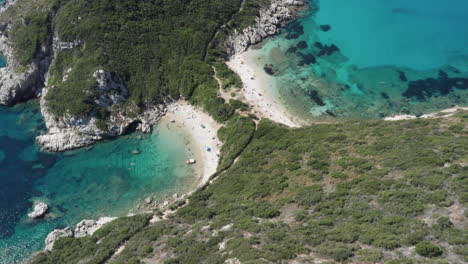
88, 227
40, 209
55, 235
148, 200
267, 24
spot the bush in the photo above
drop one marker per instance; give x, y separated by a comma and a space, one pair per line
309, 195
28, 36
427, 249
336, 251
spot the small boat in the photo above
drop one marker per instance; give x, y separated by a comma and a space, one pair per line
136, 152
191, 161
207, 148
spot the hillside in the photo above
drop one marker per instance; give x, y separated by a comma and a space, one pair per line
357, 192
104, 68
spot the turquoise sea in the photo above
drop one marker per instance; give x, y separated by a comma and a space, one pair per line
371, 58
105, 180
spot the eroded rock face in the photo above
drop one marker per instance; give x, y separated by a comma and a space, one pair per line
20, 85
39, 210
267, 24
112, 89
20, 82
82, 229
88, 227
69, 132
55, 235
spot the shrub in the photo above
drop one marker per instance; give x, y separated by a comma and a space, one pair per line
427, 249
309, 195
370, 255
336, 251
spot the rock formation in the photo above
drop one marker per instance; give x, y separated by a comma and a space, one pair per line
82, 229
268, 23
39, 210
20, 83
69, 132
55, 235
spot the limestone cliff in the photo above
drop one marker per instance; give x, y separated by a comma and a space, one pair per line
18, 82
268, 23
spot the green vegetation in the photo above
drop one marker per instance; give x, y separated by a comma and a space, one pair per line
287, 198
109, 237
427, 249
158, 48
235, 136
29, 36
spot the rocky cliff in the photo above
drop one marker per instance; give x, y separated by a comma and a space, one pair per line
69, 132
20, 82
268, 23
82, 229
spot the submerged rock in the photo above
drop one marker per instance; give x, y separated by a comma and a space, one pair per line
314, 95
328, 50
307, 59
40, 209
302, 45
432, 87
402, 76
325, 28
268, 68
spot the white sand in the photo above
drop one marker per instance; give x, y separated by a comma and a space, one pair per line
257, 90
441, 114
186, 117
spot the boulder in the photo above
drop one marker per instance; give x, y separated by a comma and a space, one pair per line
40, 209
148, 200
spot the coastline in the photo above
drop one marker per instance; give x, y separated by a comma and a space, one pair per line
439, 114
257, 90
201, 131
186, 120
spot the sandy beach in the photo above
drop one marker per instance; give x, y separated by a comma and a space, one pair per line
256, 90
202, 132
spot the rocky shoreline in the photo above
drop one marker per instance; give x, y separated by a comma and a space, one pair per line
20, 83
67, 132
269, 23
70, 133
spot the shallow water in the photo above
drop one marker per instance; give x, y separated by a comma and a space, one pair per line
105, 180
370, 59
419, 34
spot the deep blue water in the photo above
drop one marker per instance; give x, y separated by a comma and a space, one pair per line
371, 58
106, 180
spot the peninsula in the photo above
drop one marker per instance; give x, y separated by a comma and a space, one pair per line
274, 188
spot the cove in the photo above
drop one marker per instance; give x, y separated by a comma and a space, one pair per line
350, 59
104, 180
